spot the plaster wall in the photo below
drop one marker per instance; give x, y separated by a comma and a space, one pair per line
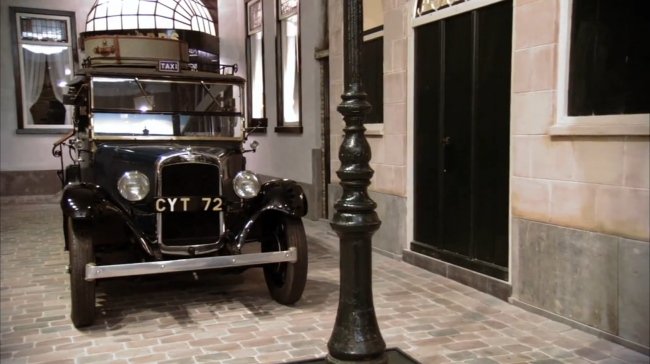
232, 34
290, 155
26, 152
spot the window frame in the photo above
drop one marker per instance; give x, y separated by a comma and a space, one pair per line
14, 13
255, 125
375, 128
282, 127
619, 124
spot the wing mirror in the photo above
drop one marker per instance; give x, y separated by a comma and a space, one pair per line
253, 147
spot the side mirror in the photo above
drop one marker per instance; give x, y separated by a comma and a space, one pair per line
253, 147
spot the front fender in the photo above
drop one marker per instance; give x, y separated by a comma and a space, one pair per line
86, 200
82, 200
283, 196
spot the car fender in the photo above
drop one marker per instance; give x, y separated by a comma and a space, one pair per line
82, 200
282, 196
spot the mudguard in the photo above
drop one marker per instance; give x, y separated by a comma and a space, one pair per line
281, 195
82, 200
85, 200
284, 196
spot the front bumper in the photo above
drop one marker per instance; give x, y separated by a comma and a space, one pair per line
94, 272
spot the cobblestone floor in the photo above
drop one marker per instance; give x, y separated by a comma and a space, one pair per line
218, 318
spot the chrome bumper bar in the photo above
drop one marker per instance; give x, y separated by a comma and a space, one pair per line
94, 272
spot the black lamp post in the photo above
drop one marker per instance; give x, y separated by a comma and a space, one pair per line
356, 337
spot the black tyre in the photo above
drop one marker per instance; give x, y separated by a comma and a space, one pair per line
286, 281
80, 245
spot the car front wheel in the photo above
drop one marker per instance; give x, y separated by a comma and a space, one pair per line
80, 245
286, 281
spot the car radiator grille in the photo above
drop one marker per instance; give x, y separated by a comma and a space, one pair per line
190, 228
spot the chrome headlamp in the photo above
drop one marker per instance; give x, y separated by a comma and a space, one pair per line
133, 185
246, 184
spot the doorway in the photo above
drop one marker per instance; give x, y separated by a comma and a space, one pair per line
462, 133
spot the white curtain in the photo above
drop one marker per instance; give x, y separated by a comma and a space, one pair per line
257, 76
290, 76
34, 73
58, 63
59, 68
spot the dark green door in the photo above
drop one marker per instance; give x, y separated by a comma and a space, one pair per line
462, 118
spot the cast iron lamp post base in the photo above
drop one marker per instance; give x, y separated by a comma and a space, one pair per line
393, 356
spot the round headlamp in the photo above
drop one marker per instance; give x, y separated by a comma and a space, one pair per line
246, 184
133, 185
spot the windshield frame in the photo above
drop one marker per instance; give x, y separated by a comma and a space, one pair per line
240, 136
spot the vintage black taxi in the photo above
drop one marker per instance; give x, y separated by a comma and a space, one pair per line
159, 171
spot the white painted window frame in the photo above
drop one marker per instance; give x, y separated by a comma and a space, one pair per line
629, 124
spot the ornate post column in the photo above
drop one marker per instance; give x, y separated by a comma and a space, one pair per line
356, 337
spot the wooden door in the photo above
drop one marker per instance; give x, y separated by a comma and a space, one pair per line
462, 118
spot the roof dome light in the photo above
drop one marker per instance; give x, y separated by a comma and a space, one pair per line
106, 15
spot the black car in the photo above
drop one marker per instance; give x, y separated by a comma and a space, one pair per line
159, 173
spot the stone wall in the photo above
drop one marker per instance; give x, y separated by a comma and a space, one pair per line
580, 201
389, 147
594, 279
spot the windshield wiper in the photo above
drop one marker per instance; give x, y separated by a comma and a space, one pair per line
144, 93
207, 89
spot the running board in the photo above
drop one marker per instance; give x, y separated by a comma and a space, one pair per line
94, 272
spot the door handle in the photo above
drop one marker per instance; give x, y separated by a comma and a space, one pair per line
446, 142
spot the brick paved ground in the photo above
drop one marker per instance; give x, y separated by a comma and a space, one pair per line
231, 319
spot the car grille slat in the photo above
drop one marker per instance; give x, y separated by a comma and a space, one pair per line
190, 228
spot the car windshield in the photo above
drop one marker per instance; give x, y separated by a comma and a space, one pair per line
144, 107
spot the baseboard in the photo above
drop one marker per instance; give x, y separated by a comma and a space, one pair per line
27, 183
492, 286
580, 326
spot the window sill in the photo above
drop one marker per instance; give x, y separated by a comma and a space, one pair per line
603, 125
257, 126
288, 129
44, 130
374, 130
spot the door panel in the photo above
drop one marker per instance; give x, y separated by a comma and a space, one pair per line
457, 136
427, 146
492, 129
462, 103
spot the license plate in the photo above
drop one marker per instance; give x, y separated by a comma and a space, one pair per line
187, 204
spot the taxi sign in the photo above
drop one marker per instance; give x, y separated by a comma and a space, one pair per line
169, 66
